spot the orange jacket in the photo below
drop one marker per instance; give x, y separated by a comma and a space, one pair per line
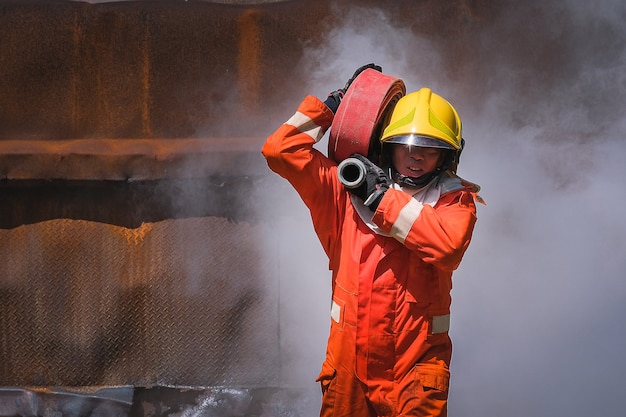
391, 291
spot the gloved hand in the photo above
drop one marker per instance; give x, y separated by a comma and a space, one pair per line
359, 71
334, 99
375, 185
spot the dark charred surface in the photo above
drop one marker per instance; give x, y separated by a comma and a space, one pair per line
127, 204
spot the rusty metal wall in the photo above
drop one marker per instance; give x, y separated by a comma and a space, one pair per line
176, 68
177, 302
148, 69
131, 259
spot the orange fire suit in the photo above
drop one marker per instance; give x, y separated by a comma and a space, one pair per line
388, 351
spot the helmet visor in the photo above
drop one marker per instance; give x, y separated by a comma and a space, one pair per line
419, 140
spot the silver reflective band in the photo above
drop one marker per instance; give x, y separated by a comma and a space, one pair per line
335, 312
306, 125
407, 216
441, 324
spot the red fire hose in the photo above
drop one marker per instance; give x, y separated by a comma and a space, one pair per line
361, 111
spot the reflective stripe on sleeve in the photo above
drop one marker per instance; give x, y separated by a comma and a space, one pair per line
441, 324
304, 124
407, 216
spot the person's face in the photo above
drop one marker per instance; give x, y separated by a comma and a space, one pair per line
414, 161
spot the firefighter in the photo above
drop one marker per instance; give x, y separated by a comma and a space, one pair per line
392, 245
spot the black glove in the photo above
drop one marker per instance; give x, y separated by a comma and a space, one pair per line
359, 71
375, 185
334, 99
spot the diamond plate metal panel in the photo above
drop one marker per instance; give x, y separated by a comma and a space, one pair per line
179, 302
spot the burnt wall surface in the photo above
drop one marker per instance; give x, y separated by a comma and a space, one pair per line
134, 239
173, 68
145, 69
125, 186
86, 88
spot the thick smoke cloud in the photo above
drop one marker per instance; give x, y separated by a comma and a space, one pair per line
539, 300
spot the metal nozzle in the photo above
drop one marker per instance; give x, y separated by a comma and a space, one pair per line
351, 172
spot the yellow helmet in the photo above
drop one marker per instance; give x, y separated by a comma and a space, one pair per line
424, 118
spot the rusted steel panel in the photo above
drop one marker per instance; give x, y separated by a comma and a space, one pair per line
149, 69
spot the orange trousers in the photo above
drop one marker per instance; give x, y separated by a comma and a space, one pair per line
422, 392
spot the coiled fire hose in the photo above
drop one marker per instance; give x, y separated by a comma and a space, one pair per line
361, 113
358, 122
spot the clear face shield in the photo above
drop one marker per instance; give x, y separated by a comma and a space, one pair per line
419, 141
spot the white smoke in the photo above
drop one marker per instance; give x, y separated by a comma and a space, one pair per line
539, 300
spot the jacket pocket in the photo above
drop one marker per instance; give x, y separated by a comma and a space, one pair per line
326, 376
432, 377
